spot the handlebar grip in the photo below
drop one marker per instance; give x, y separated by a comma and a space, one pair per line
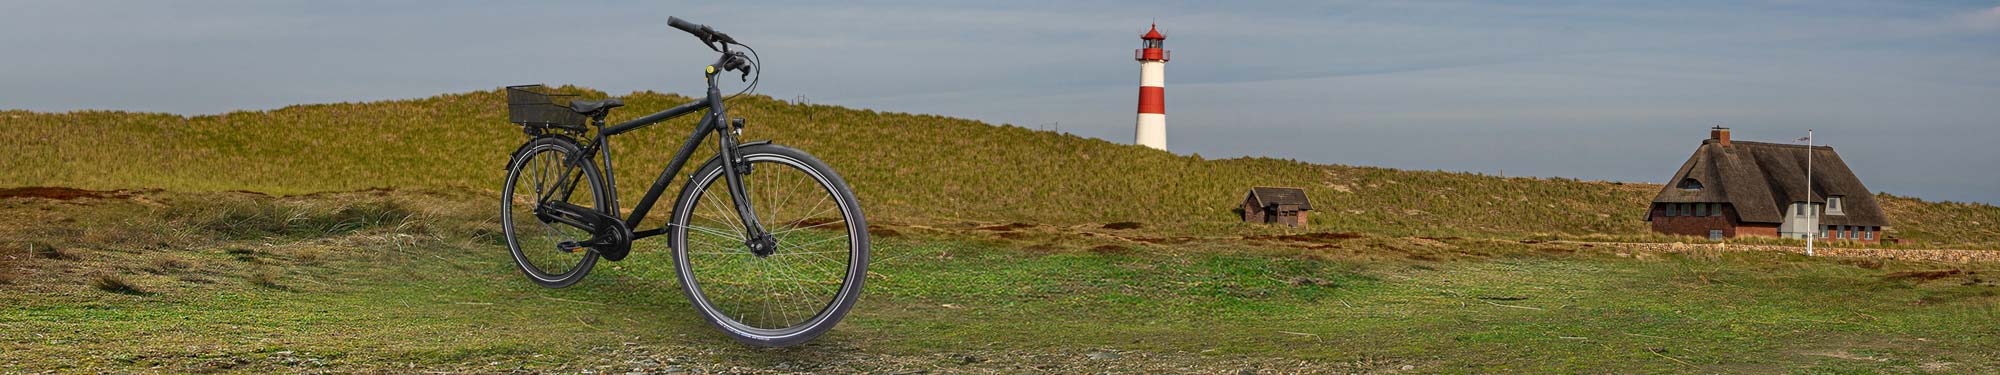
699, 31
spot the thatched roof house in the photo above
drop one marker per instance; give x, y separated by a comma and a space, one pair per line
1730, 188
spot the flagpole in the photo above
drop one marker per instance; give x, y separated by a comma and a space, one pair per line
1812, 215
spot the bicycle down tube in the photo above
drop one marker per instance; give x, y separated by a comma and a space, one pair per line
712, 121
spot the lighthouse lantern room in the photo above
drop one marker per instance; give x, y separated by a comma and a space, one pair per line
1151, 129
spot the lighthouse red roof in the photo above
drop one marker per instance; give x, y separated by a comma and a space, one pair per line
1153, 33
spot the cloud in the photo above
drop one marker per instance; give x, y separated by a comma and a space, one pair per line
1983, 20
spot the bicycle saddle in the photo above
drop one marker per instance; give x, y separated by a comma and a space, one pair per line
592, 106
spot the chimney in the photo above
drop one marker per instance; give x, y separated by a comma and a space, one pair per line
1719, 135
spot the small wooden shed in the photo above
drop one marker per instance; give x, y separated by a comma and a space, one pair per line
1276, 205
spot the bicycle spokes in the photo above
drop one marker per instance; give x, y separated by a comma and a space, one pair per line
801, 272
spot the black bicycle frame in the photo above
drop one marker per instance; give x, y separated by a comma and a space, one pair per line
713, 121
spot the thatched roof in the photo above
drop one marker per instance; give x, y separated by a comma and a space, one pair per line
1761, 179
1268, 196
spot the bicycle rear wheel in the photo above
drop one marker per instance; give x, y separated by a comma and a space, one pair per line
811, 278
548, 252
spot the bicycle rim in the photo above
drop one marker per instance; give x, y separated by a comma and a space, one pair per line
799, 287
536, 244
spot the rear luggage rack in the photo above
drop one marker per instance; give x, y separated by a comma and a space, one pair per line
535, 106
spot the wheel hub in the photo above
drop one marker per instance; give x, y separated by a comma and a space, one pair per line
762, 246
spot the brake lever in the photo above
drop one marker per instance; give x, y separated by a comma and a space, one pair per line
724, 38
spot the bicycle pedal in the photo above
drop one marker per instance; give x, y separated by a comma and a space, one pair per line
569, 246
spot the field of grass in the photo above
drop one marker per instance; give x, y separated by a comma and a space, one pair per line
417, 281
904, 167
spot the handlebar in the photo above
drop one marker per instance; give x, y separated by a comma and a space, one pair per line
707, 34
720, 43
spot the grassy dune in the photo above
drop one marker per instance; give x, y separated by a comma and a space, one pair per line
908, 168
409, 282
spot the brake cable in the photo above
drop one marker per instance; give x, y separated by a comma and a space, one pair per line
756, 69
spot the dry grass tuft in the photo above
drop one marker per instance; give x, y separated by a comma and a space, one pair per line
242, 254
46, 251
266, 278
116, 284
165, 264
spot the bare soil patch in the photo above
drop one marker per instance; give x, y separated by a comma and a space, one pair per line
882, 231
1006, 227
1922, 275
1122, 225
1111, 250
57, 193
1309, 237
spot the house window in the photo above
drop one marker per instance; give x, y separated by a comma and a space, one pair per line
1700, 209
1714, 234
1689, 184
1823, 231
1868, 235
1833, 205
1799, 209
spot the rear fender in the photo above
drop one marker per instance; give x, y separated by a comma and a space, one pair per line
524, 148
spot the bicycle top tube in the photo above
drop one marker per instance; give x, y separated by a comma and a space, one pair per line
657, 117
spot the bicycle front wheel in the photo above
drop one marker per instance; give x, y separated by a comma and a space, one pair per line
810, 279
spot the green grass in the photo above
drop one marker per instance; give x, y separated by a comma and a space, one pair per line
904, 167
433, 291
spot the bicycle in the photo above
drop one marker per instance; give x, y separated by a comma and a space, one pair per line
756, 260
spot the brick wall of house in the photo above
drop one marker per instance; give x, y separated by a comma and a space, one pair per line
1858, 236
1758, 230
1697, 226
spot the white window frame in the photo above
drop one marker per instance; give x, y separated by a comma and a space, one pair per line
1833, 205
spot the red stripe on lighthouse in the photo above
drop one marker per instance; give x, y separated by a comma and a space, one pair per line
1152, 99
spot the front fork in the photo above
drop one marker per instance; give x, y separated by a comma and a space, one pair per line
755, 237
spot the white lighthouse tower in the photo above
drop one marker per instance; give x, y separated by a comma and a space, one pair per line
1151, 130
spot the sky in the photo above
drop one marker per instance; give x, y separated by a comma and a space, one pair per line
1908, 92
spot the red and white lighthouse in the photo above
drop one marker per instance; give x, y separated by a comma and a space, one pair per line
1151, 130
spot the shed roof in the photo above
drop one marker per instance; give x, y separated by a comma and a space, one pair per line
1268, 196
